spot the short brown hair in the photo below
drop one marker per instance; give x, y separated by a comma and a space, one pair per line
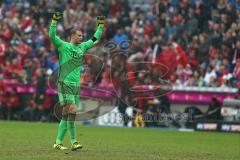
74, 30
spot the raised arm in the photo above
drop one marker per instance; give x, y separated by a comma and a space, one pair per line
57, 42
97, 35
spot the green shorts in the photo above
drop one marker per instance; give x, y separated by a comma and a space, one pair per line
68, 93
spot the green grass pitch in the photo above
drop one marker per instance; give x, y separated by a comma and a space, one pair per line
33, 141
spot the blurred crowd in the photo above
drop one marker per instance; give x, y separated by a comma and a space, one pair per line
184, 42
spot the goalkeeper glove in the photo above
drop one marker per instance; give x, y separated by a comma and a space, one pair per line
56, 16
100, 21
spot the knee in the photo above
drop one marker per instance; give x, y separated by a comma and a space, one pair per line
65, 111
72, 110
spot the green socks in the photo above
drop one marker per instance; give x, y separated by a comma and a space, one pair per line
62, 129
72, 131
65, 125
72, 128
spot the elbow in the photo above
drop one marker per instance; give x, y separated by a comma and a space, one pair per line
51, 36
49, 33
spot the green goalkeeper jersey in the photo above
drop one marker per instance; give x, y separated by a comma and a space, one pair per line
71, 56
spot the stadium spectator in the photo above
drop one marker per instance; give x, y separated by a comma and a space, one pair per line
214, 110
12, 104
120, 37
40, 94
209, 76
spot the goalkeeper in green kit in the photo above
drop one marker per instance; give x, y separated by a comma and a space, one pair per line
68, 85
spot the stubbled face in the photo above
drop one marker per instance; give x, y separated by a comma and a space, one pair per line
77, 38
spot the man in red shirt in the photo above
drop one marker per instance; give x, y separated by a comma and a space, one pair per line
12, 103
13, 69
